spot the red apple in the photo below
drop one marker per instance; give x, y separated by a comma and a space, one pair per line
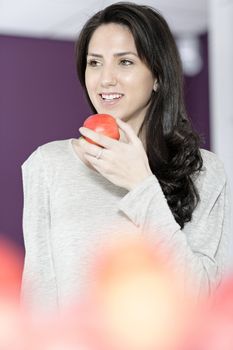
104, 124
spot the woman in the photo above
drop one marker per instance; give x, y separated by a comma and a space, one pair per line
154, 181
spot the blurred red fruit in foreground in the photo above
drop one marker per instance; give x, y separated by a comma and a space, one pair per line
138, 301
134, 302
11, 265
214, 330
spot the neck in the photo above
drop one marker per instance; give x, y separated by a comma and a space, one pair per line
136, 125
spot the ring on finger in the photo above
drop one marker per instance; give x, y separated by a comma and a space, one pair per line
99, 153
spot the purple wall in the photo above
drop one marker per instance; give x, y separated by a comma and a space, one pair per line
40, 101
197, 96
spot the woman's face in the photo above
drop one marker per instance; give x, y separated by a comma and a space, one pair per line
117, 81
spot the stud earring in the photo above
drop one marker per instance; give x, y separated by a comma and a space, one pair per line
155, 85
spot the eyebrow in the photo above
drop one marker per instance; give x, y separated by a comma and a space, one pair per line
116, 54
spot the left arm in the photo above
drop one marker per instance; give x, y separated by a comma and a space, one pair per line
200, 250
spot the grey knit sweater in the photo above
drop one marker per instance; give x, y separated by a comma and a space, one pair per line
70, 209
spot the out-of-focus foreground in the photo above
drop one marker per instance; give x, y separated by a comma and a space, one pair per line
134, 302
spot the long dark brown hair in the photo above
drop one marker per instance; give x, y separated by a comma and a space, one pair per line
172, 146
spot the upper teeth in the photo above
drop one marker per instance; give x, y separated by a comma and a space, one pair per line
110, 96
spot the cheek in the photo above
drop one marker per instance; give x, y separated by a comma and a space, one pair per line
139, 79
147, 82
129, 79
140, 87
90, 81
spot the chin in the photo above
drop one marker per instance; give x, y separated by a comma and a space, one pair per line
112, 113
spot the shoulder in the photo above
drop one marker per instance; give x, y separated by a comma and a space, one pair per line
46, 153
213, 173
46, 161
212, 163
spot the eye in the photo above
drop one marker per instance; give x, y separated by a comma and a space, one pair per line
93, 63
126, 62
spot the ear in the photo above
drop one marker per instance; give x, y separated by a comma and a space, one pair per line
155, 86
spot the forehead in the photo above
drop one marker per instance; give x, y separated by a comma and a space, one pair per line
112, 35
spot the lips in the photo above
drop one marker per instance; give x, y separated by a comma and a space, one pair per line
110, 99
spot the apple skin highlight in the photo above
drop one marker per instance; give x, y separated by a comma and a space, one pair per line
104, 124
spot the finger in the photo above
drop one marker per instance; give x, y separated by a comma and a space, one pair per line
88, 147
100, 139
132, 137
96, 163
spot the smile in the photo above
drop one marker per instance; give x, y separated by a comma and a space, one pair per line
110, 96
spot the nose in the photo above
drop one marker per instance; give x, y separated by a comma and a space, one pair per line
108, 77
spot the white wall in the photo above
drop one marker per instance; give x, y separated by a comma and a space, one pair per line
221, 84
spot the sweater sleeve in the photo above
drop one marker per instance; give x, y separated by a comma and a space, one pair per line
38, 282
200, 249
